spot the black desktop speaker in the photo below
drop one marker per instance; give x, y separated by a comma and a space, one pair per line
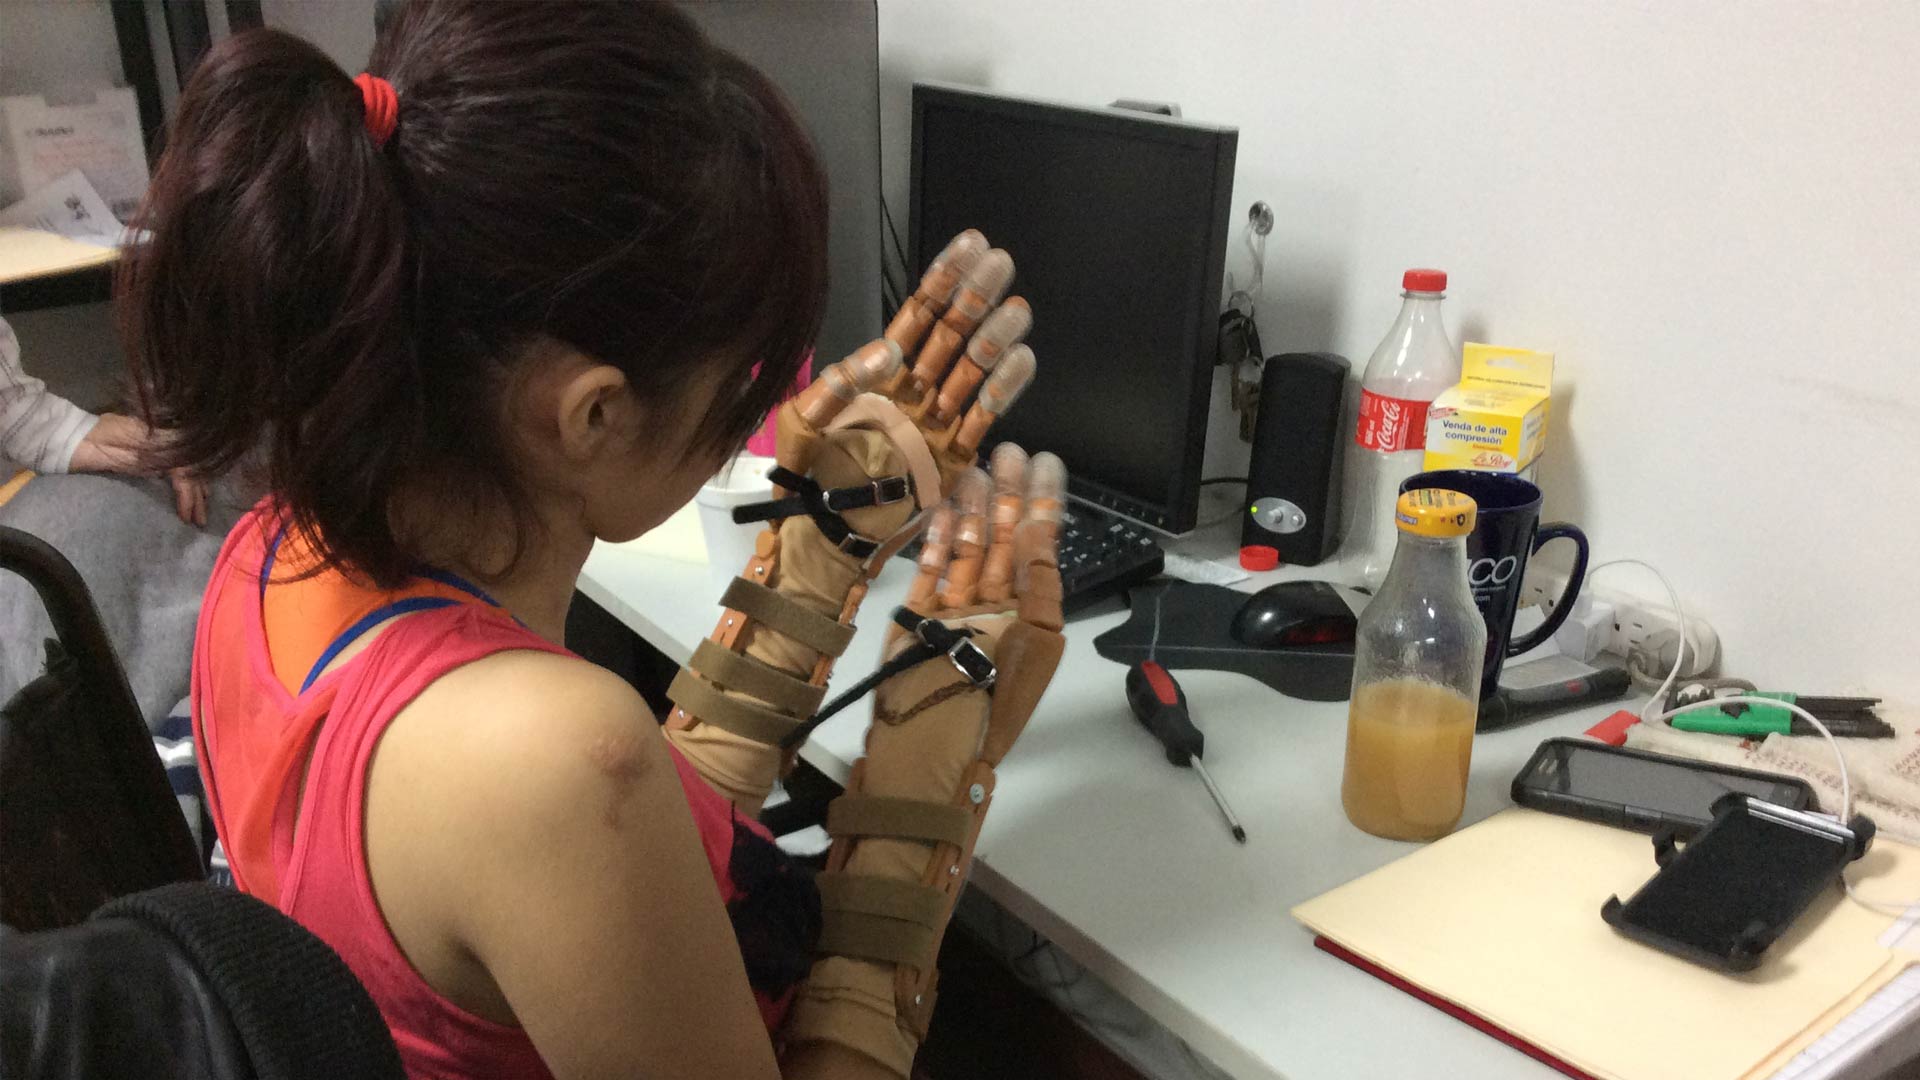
1293, 479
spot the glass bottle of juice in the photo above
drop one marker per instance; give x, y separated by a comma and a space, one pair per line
1416, 678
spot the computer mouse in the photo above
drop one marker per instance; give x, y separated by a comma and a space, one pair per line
1294, 613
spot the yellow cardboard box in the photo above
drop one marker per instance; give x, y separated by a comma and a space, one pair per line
1496, 418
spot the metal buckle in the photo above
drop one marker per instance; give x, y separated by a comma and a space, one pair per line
966, 657
890, 489
880, 492
856, 545
972, 663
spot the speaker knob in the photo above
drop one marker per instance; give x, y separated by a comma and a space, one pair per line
1278, 515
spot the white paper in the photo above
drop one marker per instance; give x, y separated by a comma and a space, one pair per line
1890, 1009
68, 206
101, 138
1901, 934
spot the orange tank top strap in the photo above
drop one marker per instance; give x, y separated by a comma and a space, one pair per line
254, 759
310, 618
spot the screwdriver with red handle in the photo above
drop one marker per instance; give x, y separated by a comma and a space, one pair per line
1161, 707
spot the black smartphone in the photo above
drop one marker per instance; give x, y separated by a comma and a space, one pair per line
1727, 895
1634, 789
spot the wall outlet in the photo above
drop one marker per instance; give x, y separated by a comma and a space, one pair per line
1638, 623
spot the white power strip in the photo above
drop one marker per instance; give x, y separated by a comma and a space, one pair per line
1638, 623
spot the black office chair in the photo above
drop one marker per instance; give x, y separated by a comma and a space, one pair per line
185, 981
85, 811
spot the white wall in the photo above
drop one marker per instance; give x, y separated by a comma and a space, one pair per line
1710, 211
343, 29
51, 46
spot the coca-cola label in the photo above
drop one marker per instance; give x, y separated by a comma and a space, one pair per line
1391, 424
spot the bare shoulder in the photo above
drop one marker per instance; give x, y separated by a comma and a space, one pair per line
525, 827
520, 738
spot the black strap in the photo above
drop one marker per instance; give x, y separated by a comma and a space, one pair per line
824, 506
936, 639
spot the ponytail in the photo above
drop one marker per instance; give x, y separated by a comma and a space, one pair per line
340, 281
270, 309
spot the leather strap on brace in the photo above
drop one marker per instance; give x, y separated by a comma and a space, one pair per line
882, 919
824, 506
872, 412
737, 671
936, 639
856, 814
744, 718
783, 615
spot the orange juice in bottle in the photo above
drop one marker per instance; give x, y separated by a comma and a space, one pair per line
1418, 655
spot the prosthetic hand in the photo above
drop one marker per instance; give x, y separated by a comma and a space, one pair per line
986, 606
862, 453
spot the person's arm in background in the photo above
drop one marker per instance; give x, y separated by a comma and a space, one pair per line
49, 434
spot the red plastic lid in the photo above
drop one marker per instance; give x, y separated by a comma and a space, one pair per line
1613, 730
1424, 281
1258, 557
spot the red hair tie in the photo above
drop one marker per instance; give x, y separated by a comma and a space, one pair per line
382, 107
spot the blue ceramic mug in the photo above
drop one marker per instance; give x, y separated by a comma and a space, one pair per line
1507, 532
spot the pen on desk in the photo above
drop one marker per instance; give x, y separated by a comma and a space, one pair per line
1844, 717
1755, 724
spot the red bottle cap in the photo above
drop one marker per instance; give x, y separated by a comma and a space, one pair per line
1424, 281
1258, 557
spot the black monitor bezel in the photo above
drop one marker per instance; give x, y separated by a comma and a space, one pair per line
1179, 512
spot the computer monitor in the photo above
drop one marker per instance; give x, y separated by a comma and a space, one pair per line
826, 59
1117, 223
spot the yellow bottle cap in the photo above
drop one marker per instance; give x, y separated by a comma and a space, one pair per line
1435, 512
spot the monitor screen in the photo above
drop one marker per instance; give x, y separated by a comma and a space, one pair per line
1117, 223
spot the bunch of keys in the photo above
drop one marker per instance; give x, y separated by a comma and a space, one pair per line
1239, 345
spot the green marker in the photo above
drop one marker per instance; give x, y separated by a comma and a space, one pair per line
1757, 721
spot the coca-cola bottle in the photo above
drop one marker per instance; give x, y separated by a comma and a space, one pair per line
1414, 362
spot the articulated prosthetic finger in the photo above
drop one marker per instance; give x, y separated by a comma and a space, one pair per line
856, 468
929, 301
1002, 388
968, 680
1005, 328
935, 553
981, 284
1009, 489
969, 538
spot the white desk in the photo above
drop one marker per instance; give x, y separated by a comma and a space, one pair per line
1100, 845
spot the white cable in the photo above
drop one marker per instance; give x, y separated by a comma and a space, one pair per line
1846, 787
1673, 676
1680, 653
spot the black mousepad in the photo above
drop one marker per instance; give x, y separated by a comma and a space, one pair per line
1186, 625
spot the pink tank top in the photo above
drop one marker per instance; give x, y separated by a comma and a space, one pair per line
256, 735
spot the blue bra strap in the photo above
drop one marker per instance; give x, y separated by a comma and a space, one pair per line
368, 622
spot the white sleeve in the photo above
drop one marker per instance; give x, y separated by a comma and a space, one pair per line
37, 429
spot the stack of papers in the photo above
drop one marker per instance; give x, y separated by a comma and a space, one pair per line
61, 227
1854, 1041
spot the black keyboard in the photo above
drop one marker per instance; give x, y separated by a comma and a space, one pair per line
1100, 556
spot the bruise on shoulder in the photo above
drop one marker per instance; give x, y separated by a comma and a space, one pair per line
621, 759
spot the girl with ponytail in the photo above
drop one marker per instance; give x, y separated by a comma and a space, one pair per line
521, 287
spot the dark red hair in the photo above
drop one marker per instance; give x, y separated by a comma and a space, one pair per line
596, 174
